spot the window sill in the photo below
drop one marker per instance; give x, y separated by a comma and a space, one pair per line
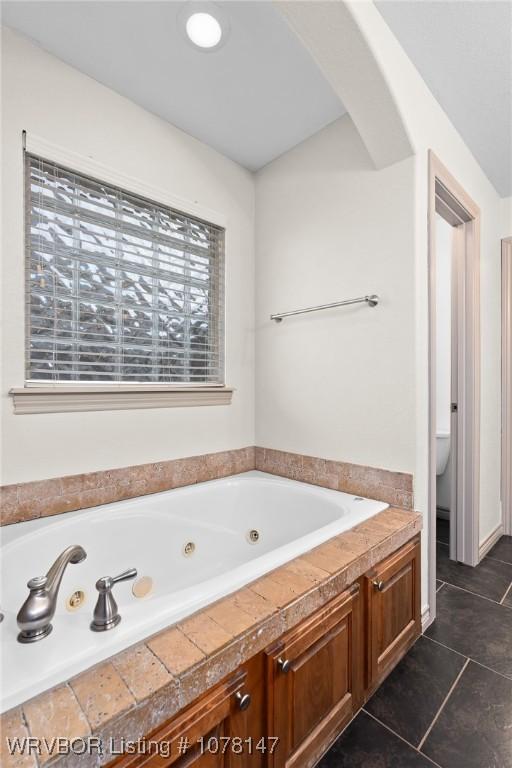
63, 399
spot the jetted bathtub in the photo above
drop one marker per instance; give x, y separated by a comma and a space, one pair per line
236, 529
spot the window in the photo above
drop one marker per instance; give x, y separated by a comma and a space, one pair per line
120, 289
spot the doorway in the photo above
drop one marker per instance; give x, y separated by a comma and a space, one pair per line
506, 369
446, 298
454, 380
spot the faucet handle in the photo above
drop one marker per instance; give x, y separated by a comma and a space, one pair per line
106, 614
125, 575
107, 582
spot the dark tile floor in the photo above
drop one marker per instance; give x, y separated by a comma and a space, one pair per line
491, 578
443, 530
449, 701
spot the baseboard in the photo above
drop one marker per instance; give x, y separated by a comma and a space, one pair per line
490, 541
426, 621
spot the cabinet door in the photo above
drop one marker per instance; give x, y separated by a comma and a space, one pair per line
315, 681
251, 723
393, 610
203, 727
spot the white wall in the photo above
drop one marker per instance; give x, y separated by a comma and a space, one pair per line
337, 384
439, 134
352, 396
53, 101
506, 217
430, 128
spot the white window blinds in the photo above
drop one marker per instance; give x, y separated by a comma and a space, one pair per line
120, 288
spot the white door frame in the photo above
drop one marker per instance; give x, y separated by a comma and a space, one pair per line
506, 369
448, 199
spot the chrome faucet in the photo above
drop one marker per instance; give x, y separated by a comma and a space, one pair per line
35, 615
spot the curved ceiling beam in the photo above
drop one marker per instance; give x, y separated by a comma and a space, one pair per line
330, 32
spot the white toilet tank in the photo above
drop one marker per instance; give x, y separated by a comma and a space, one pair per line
442, 451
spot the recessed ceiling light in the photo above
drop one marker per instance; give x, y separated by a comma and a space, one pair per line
204, 24
204, 30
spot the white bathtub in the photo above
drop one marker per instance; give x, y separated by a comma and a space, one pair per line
149, 533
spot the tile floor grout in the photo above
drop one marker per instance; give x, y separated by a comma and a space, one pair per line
505, 595
470, 658
496, 559
432, 640
400, 737
484, 666
445, 713
488, 556
456, 586
445, 701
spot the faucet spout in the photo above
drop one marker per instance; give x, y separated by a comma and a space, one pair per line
73, 554
35, 615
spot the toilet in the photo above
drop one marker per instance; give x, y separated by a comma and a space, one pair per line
442, 451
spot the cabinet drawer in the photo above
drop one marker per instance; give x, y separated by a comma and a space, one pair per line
392, 610
315, 681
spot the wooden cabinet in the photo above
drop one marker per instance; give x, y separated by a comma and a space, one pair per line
304, 688
251, 724
203, 727
315, 681
393, 614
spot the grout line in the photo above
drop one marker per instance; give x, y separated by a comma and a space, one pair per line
429, 729
500, 674
475, 594
505, 595
487, 557
440, 586
416, 749
469, 658
497, 559
438, 642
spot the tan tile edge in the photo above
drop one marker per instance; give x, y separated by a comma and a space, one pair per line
395, 488
160, 705
42, 498
212, 669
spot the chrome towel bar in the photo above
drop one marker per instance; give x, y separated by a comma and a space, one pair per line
372, 301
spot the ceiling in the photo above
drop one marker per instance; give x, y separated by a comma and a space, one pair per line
262, 93
253, 99
463, 51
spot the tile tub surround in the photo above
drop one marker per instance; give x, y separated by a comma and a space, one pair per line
28, 501
130, 694
395, 488
42, 498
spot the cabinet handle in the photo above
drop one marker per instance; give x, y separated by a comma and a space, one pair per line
284, 665
244, 700
378, 584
